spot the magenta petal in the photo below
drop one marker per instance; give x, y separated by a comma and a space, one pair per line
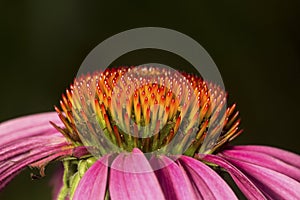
132, 178
36, 124
270, 182
93, 184
28, 140
209, 184
22, 128
249, 189
172, 178
286, 156
24, 122
10, 169
264, 160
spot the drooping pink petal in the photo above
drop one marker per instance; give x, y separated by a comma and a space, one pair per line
286, 156
264, 160
12, 167
172, 178
22, 127
132, 178
28, 140
273, 184
249, 189
93, 184
209, 184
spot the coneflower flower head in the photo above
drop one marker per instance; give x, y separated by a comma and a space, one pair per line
156, 109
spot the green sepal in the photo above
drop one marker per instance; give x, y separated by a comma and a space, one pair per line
74, 170
68, 171
74, 181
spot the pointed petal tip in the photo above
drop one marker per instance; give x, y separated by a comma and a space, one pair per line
137, 151
131, 177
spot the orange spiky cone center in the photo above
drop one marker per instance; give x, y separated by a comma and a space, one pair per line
146, 108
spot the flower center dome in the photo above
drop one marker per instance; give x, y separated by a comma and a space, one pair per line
151, 108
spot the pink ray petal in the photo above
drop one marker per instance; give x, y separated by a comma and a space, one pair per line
270, 182
286, 156
20, 162
23, 146
196, 192
172, 178
208, 182
249, 189
133, 178
28, 126
29, 121
93, 184
264, 160
31, 156
28, 140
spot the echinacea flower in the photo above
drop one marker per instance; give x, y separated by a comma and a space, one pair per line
103, 135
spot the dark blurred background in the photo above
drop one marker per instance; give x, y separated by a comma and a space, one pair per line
255, 44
